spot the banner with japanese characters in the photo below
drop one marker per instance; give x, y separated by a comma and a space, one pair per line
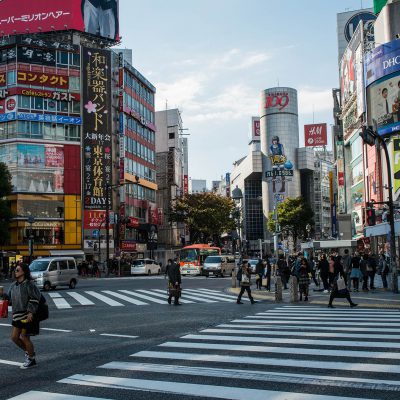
97, 123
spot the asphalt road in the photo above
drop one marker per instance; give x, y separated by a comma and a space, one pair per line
130, 344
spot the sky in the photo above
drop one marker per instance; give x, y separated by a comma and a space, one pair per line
212, 58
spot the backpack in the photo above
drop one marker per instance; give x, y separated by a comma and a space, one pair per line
43, 310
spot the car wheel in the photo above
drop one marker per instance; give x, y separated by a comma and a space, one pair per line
72, 284
46, 286
149, 272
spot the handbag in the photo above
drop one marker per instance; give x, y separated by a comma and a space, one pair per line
42, 312
245, 279
174, 290
341, 284
264, 282
3, 308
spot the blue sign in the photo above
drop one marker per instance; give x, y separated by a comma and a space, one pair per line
353, 22
121, 124
58, 119
7, 117
96, 233
381, 61
228, 178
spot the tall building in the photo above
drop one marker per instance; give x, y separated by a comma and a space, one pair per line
172, 172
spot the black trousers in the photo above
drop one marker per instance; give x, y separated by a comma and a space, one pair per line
248, 290
335, 294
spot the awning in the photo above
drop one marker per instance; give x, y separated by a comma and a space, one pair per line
381, 229
329, 244
67, 253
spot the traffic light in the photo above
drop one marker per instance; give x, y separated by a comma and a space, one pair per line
371, 218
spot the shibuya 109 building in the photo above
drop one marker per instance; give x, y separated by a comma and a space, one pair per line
279, 136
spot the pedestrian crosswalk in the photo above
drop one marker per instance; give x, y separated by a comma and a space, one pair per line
139, 297
290, 352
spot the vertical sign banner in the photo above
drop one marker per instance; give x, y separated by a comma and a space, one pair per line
97, 155
396, 165
255, 128
315, 135
341, 206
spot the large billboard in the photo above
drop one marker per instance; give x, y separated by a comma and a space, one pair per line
315, 135
97, 123
396, 166
97, 17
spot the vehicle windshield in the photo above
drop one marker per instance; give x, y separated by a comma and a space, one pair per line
38, 265
212, 259
138, 263
188, 255
253, 262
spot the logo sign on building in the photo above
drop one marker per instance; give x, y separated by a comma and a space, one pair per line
42, 79
11, 104
31, 55
97, 122
396, 165
277, 101
315, 135
128, 246
255, 122
46, 44
98, 18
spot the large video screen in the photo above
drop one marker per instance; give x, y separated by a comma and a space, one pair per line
98, 17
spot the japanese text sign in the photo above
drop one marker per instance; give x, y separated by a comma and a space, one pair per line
42, 79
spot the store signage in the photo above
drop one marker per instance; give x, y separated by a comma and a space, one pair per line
42, 79
98, 18
133, 223
54, 156
3, 79
11, 104
128, 246
185, 184
353, 22
95, 219
46, 44
58, 119
315, 135
278, 100
278, 172
341, 178
97, 125
31, 55
396, 165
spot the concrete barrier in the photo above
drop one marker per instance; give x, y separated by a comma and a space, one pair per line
278, 289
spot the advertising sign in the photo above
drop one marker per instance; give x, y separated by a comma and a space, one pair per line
255, 128
128, 246
58, 119
97, 122
340, 178
95, 219
185, 184
276, 101
54, 156
46, 94
30, 155
396, 166
46, 44
31, 55
98, 17
315, 135
42, 79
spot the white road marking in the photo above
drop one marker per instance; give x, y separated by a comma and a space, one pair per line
283, 350
35, 395
192, 296
5, 325
222, 295
335, 318
164, 295
81, 299
313, 342
251, 375
59, 301
356, 311
105, 299
319, 308
56, 330
268, 333
318, 323
126, 298
7, 362
115, 335
206, 296
143, 296
190, 389
281, 362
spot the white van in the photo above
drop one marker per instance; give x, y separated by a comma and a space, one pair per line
50, 272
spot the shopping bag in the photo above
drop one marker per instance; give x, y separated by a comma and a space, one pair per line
264, 282
341, 284
245, 279
3, 308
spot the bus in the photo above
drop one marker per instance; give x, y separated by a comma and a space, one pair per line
192, 258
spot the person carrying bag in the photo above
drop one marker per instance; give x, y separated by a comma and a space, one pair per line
245, 283
174, 283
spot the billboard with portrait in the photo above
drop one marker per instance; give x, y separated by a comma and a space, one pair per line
97, 17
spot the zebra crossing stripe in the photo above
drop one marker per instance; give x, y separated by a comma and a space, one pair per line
36, 395
126, 298
265, 376
191, 389
319, 308
105, 299
284, 362
81, 299
268, 333
193, 296
207, 296
334, 314
284, 350
143, 296
222, 295
297, 327
164, 295
59, 301
326, 318
313, 342
342, 323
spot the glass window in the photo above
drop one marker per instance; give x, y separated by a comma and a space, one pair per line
36, 129
24, 102
53, 266
48, 131
62, 57
63, 265
62, 106
356, 148
37, 103
74, 59
11, 78
76, 107
74, 83
71, 264
60, 133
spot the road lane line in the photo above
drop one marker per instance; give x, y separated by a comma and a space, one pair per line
254, 375
312, 342
36, 395
126, 298
7, 362
222, 295
163, 294
81, 299
143, 296
105, 299
281, 362
116, 335
318, 323
190, 389
59, 301
205, 295
327, 318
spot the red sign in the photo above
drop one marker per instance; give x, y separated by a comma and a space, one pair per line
279, 100
42, 79
341, 178
11, 104
256, 128
315, 135
128, 246
27, 16
94, 219
133, 223
185, 184
54, 156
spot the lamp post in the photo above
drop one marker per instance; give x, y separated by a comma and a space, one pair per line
237, 196
370, 137
31, 220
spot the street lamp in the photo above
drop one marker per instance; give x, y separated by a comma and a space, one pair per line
370, 136
237, 196
31, 220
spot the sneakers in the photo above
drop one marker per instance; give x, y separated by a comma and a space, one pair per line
29, 363
325, 291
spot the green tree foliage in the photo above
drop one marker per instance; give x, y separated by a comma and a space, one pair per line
5, 212
293, 214
207, 215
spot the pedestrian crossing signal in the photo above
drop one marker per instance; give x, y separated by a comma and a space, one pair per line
371, 217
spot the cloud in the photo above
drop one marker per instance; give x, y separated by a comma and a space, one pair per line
314, 100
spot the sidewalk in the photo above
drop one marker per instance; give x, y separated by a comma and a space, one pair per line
377, 298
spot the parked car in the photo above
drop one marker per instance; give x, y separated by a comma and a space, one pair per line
145, 266
218, 265
50, 272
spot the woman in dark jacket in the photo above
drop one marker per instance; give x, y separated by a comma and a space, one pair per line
324, 272
304, 280
340, 293
24, 298
259, 273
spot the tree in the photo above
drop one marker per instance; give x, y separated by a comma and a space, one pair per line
294, 214
207, 215
5, 211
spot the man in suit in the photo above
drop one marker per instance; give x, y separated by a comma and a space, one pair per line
174, 284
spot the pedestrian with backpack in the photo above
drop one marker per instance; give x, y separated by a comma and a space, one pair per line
24, 297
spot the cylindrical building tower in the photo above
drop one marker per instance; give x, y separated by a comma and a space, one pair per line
279, 140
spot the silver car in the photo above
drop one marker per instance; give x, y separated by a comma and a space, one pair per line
218, 265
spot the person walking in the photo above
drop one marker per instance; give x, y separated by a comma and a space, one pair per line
174, 282
331, 273
245, 282
313, 268
364, 268
383, 270
324, 272
267, 272
24, 297
372, 267
346, 262
304, 279
259, 274
283, 270
355, 274
339, 289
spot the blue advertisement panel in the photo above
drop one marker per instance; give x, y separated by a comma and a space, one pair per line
382, 61
57, 119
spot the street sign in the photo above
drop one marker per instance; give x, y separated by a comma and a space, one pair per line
96, 233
